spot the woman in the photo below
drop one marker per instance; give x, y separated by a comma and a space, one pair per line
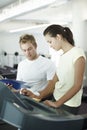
70, 72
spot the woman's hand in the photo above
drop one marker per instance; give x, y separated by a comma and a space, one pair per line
50, 103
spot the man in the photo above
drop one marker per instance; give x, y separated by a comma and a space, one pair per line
37, 71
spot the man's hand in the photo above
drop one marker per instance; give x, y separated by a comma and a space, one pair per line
30, 94
27, 92
10, 86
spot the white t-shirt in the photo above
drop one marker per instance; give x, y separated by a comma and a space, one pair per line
65, 74
36, 73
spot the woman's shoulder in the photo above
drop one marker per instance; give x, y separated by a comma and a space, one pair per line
78, 52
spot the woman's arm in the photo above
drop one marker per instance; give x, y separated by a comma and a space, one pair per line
49, 88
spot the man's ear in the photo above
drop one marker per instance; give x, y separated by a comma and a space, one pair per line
35, 46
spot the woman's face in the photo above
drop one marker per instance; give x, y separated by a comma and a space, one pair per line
54, 42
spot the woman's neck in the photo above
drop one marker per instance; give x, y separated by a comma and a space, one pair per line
67, 46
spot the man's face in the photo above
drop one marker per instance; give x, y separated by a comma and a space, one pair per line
29, 50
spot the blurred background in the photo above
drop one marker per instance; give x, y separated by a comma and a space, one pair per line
18, 17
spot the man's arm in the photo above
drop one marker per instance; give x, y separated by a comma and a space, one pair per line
44, 93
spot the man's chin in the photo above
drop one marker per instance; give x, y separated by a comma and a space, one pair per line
30, 58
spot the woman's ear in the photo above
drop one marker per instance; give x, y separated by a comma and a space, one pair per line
59, 37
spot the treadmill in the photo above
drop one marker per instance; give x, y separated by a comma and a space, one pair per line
24, 113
